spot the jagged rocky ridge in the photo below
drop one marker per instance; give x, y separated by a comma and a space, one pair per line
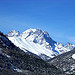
66, 62
14, 61
39, 43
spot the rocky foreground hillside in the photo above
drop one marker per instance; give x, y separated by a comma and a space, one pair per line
65, 62
14, 61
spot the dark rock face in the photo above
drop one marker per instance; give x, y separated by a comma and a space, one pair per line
4, 42
14, 61
65, 62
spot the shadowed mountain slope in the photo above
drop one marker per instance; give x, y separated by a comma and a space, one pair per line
66, 62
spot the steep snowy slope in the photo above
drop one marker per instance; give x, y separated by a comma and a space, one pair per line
38, 42
37, 49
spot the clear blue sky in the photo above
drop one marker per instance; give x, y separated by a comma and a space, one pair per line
57, 17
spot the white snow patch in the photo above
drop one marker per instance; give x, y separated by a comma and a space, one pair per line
33, 29
7, 55
18, 70
73, 56
4, 53
73, 67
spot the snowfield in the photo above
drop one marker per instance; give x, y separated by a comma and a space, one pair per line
30, 46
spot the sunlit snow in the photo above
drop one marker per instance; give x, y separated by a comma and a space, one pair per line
30, 46
18, 70
73, 56
38, 42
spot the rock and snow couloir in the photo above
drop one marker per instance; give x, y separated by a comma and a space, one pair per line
38, 42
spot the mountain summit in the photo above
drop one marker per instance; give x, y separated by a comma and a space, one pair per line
38, 36
38, 42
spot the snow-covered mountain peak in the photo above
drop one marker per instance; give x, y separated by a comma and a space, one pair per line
13, 33
29, 30
69, 46
38, 42
33, 29
38, 36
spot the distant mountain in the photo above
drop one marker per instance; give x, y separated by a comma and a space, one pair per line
13, 33
14, 61
66, 62
38, 42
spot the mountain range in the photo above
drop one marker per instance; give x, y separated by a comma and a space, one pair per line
14, 61
34, 52
39, 43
